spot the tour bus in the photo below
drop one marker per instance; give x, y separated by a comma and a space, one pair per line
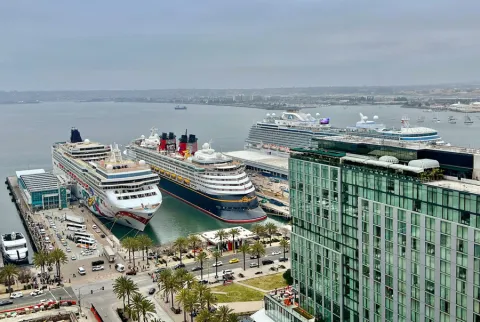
89, 243
77, 235
76, 227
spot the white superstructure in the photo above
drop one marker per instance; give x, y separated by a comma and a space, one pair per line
14, 247
121, 190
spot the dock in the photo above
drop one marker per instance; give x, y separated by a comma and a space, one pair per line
25, 213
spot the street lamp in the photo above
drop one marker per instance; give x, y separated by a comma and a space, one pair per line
80, 296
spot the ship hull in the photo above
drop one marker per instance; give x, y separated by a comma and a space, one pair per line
230, 209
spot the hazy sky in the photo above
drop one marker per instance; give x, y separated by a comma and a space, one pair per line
90, 44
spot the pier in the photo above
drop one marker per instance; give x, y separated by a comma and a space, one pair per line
24, 211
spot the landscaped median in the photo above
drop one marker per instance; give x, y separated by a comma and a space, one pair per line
235, 292
267, 283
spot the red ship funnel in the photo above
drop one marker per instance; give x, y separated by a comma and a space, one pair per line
182, 144
163, 142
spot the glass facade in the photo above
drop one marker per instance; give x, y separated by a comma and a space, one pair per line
372, 244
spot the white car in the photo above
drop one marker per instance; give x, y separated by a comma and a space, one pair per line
253, 264
82, 271
94, 226
74, 258
97, 268
46, 301
276, 253
51, 247
16, 295
68, 249
217, 264
47, 239
36, 293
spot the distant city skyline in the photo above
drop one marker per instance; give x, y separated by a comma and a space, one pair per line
121, 44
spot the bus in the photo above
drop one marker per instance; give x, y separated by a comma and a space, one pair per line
109, 253
78, 234
89, 243
76, 227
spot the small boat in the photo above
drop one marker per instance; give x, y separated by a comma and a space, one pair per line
178, 107
468, 120
452, 120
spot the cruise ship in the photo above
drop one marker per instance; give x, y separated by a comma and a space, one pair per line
14, 248
277, 134
203, 178
123, 191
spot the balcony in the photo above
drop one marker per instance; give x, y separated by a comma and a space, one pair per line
290, 309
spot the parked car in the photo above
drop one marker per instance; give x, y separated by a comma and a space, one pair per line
219, 263
131, 272
151, 291
253, 264
283, 259
227, 272
16, 295
97, 268
36, 293
267, 262
179, 265
276, 253
196, 268
253, 257
5, 302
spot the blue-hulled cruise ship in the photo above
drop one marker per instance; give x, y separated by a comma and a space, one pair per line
203, 178
277, 134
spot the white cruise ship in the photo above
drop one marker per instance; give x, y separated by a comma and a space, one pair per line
277, 134
120, 190
207, 180
14, 248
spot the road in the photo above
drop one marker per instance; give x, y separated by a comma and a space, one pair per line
63, 293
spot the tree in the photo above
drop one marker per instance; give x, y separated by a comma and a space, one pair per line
244, 248
40, 260
234, 232
147, 308
200, 289
209, 298
189, 279
182, 299
202, 257
119, 288
131, 244
287, 276
134, 307
221, 234
284, 244
257, 249
258, 229
216, 254
180, 244
271, 229
58, 257
193, 241
223, 313
163, 282
8, 273
130, 289
205, 316
145, 243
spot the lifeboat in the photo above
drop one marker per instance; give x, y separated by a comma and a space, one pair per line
167, 173
179, 178
187, 181
174, 175
162, 171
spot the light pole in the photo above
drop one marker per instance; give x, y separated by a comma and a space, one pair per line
80, 296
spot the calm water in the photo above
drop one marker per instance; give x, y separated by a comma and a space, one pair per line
27, 132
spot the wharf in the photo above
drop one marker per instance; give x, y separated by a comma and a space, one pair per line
274, 195
25, 213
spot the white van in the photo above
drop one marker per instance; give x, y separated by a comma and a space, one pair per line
82, 271
120, 268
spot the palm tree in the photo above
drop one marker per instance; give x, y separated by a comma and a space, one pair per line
130, 289
258, 229
40, 260
180, 244
200, 289
271, 229
285, 244
223, 313
134, 307
257, 249
129, 243
216, 254
119, 288
244, 248
145, 244
146, 308
183, 299
193, 241
202, 257
189, 279
8, 273
221, 234
163, 282
205, 316
58, 257
234, 232
209, 298
191, 304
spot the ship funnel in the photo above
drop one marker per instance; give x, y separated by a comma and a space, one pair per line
192, 144
163, 142
182, 144
75, 136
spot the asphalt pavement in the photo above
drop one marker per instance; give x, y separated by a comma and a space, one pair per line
62, 293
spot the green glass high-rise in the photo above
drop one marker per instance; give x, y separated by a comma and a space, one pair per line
385, 231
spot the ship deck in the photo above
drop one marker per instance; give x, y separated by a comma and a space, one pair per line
261, 161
